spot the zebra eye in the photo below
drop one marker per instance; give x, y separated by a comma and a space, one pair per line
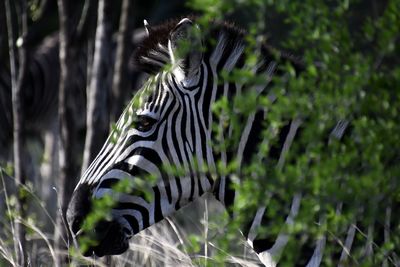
144, 123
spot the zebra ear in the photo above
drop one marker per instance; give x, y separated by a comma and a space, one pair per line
185, 48
146, 27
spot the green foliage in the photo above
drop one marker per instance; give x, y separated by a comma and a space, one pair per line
350, 73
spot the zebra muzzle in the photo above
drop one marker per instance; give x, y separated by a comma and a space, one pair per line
106, 237
110, 239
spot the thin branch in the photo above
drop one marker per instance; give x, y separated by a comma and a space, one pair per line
18, 122
97, 112
87, 21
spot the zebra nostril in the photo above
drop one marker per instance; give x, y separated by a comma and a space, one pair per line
102, 227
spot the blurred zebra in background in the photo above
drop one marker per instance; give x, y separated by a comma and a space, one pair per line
170, 122
40, 95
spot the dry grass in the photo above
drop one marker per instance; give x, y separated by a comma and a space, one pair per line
167, 243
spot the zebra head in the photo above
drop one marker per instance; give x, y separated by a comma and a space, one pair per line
167, 123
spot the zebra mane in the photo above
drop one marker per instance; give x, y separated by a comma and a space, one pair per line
152, 53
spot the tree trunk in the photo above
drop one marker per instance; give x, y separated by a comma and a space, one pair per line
98, 112
121, 84
67, 132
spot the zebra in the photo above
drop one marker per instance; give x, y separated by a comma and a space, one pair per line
169, 123
40, 94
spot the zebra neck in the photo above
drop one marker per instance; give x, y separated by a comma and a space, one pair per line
227, 145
